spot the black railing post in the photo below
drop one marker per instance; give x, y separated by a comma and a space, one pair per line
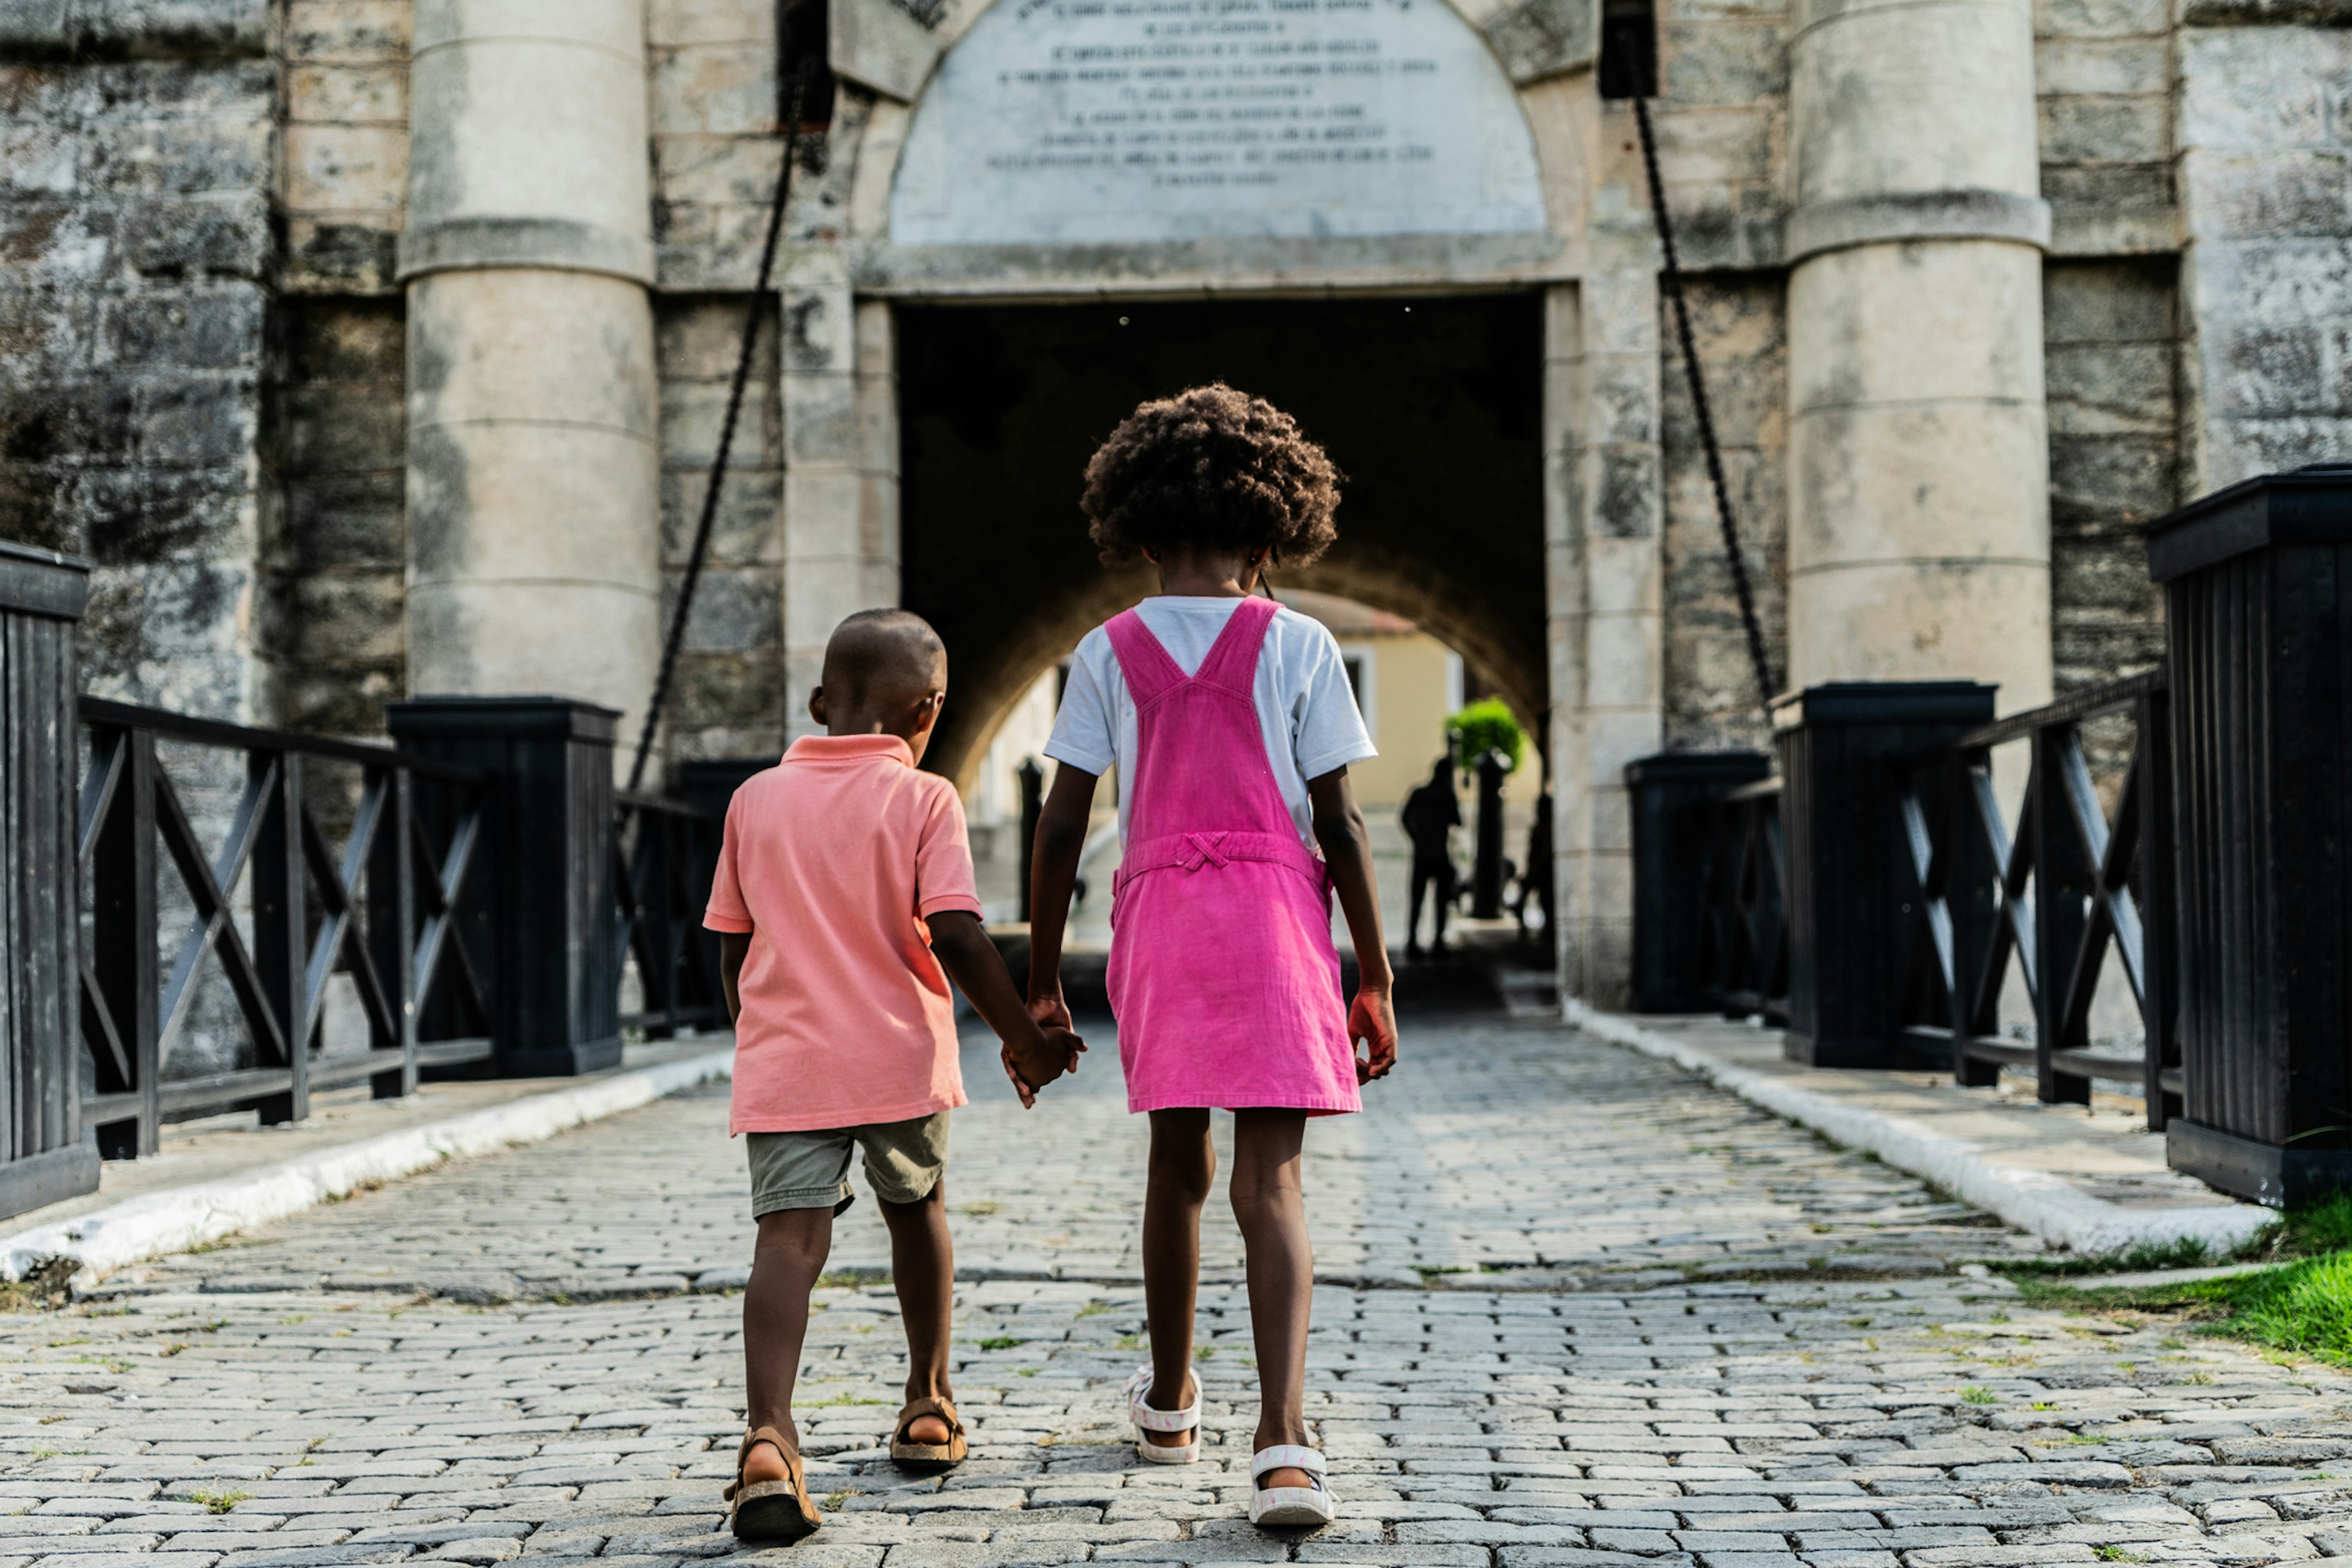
2062, 877
2258, 595
126, 970
391, 929
1677, 821
1849, 890
43, 1156
280, 949
2159, 892
550, 881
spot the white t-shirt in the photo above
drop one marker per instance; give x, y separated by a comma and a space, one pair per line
1305, 708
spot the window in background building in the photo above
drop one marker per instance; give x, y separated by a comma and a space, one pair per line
1362, 680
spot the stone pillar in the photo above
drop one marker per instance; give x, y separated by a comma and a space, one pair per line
1601, 508
1918, 488
534, 507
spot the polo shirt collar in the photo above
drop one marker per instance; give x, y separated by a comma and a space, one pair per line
850, 748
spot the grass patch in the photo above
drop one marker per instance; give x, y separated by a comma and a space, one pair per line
219, 1502
837, 1399
1976, 1395
2303, 1307
999, 1342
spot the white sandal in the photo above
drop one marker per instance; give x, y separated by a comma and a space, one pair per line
1148, 1419
1289, 1507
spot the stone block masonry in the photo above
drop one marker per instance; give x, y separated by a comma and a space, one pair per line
2108, 330
734, 700
1741, 330
2266, 140
135, 257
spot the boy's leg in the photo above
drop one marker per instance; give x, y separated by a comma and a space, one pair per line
906, 1163
1183, 1163
923, 1267
1272, 1209
785, 1263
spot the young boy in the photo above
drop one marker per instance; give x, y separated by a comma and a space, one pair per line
844, 890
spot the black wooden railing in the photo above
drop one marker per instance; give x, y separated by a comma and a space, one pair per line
381, 908
664, 852
2048, 898
2207, 860
1747, 905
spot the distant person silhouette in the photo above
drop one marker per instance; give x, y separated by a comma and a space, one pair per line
1430, 814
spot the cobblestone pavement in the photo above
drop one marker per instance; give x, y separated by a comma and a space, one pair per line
1581, 1310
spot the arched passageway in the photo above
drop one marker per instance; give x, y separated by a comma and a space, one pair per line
1431, 407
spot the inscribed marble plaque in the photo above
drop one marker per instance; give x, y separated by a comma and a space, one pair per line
1108, 121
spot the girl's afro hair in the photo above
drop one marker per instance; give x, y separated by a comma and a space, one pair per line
1211, 467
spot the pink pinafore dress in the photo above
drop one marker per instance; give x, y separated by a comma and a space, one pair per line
1222, 975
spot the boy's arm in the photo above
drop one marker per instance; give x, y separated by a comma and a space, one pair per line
1053, 878
734, 946
1348, 851
1034, 1056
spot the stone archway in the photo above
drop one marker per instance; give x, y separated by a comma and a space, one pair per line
1429, 406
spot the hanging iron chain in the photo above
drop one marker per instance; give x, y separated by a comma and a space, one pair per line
675, 639
1671, 280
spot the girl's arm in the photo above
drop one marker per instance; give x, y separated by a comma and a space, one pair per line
1348, 851
1053, 878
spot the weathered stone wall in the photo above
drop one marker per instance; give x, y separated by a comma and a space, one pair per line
2266, 282
136, 260
2110, 353
733, 700
1721, 121
712, 103
346, 175
1740, 324
2103, 77
336, 567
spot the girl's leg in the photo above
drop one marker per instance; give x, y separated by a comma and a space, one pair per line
1183, 1163
1272, 1209
785, 1262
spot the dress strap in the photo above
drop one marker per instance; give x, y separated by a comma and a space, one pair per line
1149, 670
1232, 660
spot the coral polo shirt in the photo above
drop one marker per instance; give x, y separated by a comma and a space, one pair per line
834, 860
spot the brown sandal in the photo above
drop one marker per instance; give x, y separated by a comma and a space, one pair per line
772, 1510
924, 1459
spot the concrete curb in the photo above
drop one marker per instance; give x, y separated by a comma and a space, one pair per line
2035, 1201
186, 1217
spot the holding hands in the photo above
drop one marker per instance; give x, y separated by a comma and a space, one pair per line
1031, 1065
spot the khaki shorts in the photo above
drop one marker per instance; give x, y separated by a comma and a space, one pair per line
904, 1161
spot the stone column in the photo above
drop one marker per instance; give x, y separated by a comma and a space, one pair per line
1603, 515
1918, 486
534, 508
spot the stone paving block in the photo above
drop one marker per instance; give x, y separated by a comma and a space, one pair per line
1555, 1422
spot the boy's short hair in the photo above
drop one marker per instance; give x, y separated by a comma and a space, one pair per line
1211, 467
885, 654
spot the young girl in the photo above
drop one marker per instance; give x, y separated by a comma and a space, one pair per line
1232, 724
